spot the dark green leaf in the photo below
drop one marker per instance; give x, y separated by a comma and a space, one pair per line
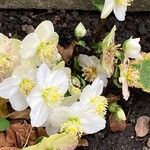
4, 124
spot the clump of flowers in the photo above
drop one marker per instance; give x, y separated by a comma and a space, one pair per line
69, 103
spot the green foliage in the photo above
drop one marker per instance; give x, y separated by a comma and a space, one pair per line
56, 142
4, 124
98, 4
139, 73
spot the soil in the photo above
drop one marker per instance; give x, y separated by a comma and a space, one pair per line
17, 23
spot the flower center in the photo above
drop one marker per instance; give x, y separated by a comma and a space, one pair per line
90, 73
26, 86
45, 51
72, 126
100, 102
124, 2
52, 96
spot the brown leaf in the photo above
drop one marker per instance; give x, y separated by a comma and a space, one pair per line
67, 52
116, 125
3, 108
17, 135
25, 114
142, 126
3, 142
83, 142
9, 148
112, 98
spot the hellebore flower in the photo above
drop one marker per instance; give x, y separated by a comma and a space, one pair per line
80, 30
119, 7
91, 94
9, 56
132, 48
77, 119
91, 68
41, 45
18, 86
47, 94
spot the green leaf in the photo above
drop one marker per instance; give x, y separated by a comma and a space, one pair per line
139, 73
98, 4
81, 43
4, 124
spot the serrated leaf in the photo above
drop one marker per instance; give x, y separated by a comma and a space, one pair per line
56, 142
139, 73
4, 124
98, 4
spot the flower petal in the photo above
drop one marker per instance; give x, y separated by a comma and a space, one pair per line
120, 12
9, 87
107, 8
58, 79
45, 30
29, 45
125, 90
51, 130
92, 123
18, 102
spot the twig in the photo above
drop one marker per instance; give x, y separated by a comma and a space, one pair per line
27, 140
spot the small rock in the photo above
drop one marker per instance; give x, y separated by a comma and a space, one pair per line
142, 126
27, 28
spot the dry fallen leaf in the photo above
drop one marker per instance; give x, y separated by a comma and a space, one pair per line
83, 142
67, 52
116, 125
25, 114
142, 126
3, 108
9, 148
112, 98
3, 142
18, 134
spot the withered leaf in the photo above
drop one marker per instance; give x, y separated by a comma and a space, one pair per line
112, 98
9, 148
67, 52
142, 126
83, 142
3, 108
116, 125
18, 133
3, 142
25, 114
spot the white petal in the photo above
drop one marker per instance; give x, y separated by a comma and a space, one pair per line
107, 9
92, 123
28, 45
39, 113
59, 116
86, 94
104, 79
58, 79
18, 102
9, 87
51, 130
45, 30
42, 74
120, 12
125, 90
69, 100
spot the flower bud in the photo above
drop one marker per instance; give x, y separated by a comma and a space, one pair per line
120, 114
132, 48
80, 31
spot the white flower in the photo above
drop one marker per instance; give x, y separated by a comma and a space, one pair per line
9, 56
18, 86
119, 7
132, 48
91, 94
47, 94
76, 119
91, 68
41, 45
80, 30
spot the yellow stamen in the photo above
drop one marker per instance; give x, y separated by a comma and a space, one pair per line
124, 2
101, 104
90, 73
45, 51
26, 86
72, 126
52, 96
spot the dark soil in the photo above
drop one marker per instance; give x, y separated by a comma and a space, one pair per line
18, 23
